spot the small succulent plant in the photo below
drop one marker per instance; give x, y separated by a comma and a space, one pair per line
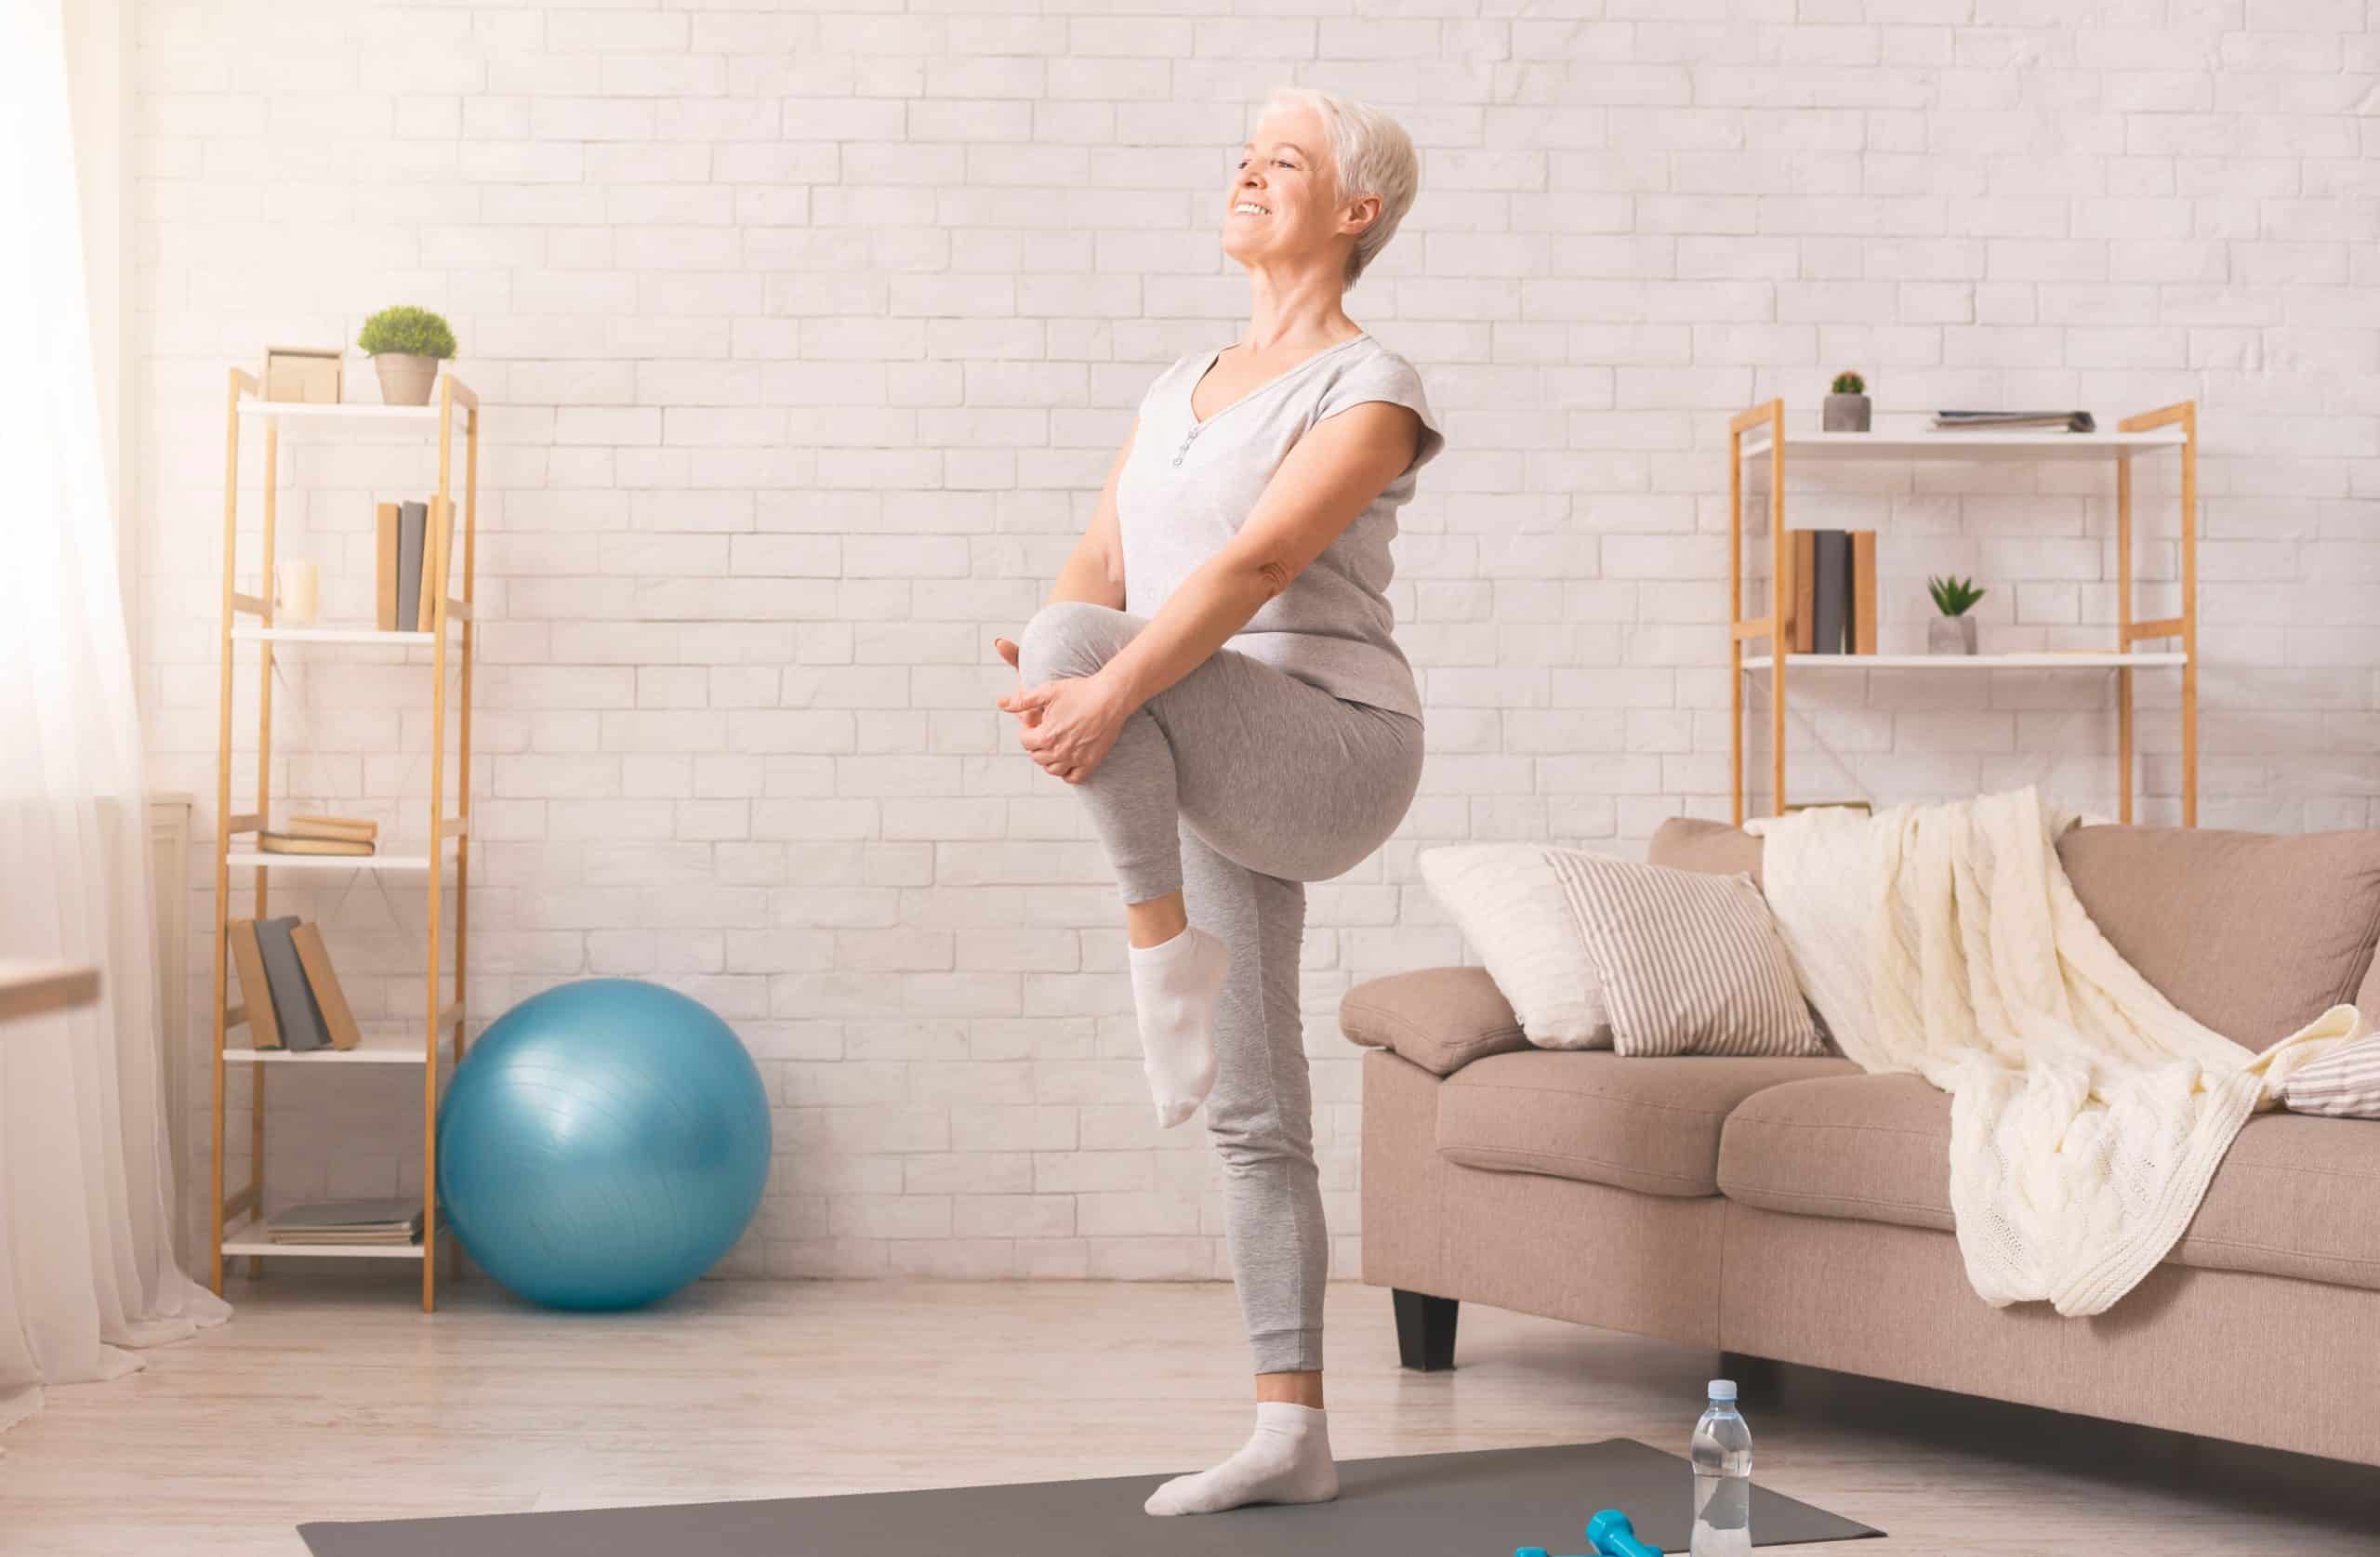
403, 328
1849, 384
1954, 596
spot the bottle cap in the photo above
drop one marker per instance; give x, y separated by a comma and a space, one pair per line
1723, 1389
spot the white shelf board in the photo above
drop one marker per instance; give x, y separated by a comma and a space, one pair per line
1964, 445
249, 1238
278, 410
381, 1049
244, 859
2044, 660
332, 635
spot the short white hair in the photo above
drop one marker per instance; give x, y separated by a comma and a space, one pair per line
1370, 153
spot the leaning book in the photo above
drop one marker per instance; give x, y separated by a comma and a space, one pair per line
309, 824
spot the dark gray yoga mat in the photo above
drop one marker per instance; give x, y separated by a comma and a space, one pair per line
1481, 1504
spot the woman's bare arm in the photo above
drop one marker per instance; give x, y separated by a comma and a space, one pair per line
1094, 571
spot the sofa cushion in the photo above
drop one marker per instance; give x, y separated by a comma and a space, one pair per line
1650, 1125
1440, 1018
2295, 1195
2253, 934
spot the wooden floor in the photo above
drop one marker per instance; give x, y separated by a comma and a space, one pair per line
330, 1399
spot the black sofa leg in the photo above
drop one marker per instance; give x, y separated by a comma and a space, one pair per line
1424, 1330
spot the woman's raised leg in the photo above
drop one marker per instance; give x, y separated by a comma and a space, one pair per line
1134, 797
1273, 773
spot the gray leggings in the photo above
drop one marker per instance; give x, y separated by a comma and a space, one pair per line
1237, 785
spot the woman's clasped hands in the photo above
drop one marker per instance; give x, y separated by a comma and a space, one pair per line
1068, 725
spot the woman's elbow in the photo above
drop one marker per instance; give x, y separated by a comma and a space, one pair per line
1260, 577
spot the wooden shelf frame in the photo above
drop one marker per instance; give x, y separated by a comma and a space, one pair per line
1759, 431
242, 1212
38, 988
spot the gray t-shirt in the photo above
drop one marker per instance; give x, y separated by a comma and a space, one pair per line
1189, 485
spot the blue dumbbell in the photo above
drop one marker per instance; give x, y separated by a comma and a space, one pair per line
1610, 1534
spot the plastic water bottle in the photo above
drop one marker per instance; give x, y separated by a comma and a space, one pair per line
1722, 1456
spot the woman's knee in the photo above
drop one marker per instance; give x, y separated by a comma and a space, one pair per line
1251, 1128
1070, 638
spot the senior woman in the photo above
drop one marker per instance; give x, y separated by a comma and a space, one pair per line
1215, 674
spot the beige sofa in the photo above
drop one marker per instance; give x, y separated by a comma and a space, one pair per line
1799, 1210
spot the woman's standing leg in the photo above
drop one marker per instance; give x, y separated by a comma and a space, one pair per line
1261, 1113
1261, 1118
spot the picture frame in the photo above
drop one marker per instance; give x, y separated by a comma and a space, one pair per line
306, 375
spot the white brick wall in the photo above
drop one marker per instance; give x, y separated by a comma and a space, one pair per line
807, 335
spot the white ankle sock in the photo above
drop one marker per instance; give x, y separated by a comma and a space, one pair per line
1174, 987
1287, 1461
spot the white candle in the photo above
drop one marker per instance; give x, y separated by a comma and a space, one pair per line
300, 583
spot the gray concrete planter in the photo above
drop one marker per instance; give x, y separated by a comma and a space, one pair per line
1845, 413
1950, 635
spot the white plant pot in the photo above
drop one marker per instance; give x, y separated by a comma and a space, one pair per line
407, 378
1950, 635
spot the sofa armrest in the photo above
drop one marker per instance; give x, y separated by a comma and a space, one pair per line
1440, 1018
1690, 843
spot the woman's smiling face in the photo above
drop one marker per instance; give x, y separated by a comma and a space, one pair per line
1280, 201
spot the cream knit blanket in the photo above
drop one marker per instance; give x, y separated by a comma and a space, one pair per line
2087, 1112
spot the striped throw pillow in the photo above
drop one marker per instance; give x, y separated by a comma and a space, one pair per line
1691, 962
2344, 1083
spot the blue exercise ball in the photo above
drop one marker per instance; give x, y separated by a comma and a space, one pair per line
602, 1145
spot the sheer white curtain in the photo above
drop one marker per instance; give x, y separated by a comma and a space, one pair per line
87, 1263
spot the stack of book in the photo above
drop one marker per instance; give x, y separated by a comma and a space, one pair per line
408, 545
322, 835
393, 1223
2004, 421
1834, 591
293, 999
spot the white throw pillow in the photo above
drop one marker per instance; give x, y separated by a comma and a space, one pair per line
1505, 900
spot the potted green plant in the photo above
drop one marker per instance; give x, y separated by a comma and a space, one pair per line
407, 345
1847, 408
1954, 631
